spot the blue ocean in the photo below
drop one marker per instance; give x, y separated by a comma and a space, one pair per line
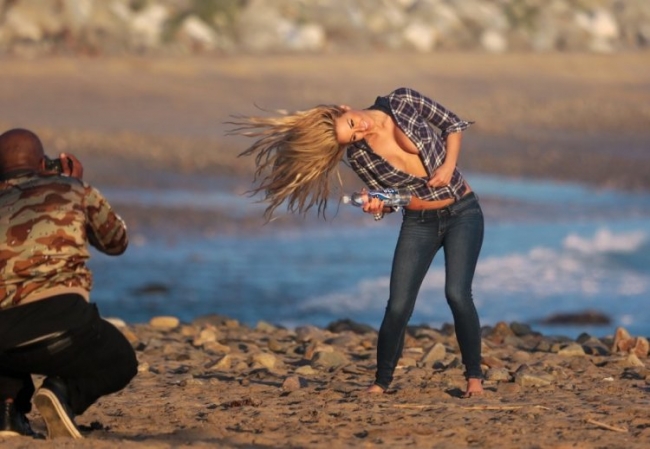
549, 248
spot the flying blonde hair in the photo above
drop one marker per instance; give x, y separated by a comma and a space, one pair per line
295, 154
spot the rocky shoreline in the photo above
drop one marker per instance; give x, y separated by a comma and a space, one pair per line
215, 382
180, 27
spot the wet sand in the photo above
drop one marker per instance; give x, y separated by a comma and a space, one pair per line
159, 123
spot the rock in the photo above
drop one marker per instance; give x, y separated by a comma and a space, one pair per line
498, 375
521, 329
275, 346
622, 340
492, 362
317, 347
349, 325
263, 326
508, 388
197, 35
526, 377
294, 383
215, 347
533, 380
420, 36
306, 370
282, 26
500, 331
435, 354
641, 348
146, 26
632, 361
405, 362
572, 350
143, 367
624, 343
494, 41
164, 322
207, 335
309, 333
222, 364
329, 360
265, 360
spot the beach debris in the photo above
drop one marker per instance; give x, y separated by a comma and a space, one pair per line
607, 426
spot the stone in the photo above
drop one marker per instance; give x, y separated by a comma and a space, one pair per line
572, 350
164, 322
329, 360
265, 360
435, 354
294, 383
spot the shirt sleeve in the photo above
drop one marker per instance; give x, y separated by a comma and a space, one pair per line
363, 173
438, 115
105, 230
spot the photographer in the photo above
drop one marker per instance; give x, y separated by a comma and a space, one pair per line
47, 324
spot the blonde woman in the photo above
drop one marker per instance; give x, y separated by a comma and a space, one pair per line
404, 141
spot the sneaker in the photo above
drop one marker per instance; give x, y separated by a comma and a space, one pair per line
51, 400
14, 423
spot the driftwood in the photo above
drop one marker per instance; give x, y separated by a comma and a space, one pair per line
474, 407
606, 426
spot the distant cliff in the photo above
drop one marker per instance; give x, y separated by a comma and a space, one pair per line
115, 27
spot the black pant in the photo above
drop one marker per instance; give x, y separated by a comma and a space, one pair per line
91, 356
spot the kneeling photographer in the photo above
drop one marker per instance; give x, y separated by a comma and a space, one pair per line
48, 326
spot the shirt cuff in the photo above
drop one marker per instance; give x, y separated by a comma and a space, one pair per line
458, 127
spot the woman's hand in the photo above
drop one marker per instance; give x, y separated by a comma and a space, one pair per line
442, 176
373, 206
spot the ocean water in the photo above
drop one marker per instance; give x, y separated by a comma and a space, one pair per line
549, 248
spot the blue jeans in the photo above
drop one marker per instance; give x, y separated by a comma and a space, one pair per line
459, 230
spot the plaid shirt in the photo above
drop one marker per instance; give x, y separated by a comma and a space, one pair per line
416, 115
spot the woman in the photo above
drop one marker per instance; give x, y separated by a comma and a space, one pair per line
404, 141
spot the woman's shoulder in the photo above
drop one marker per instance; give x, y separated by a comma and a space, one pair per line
405, 92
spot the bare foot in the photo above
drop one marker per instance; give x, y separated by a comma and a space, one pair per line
474, 388
374, 389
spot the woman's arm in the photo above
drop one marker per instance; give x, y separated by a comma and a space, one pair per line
442, 176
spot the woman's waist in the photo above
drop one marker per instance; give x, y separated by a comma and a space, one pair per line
420, 204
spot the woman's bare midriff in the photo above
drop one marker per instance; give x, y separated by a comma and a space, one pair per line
419, 204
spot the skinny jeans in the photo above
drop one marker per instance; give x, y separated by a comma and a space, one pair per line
458, 229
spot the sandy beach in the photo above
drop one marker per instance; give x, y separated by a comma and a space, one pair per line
157, 122
216, 383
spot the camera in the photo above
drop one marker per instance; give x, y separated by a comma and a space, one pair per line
56, 165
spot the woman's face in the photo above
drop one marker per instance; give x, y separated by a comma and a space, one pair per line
353, 126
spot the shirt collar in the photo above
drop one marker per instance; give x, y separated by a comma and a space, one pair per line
20, 173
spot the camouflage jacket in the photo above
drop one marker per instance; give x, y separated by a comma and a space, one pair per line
46, 223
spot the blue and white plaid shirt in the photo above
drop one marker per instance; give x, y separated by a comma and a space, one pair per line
416, 115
